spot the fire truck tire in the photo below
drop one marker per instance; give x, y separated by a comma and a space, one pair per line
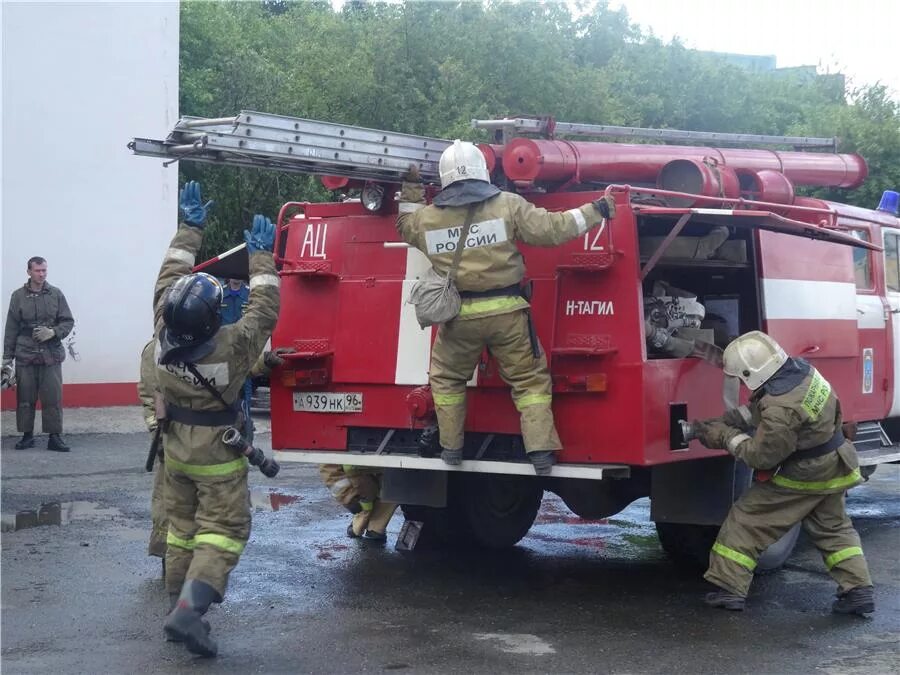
774, 557
688, 546
498, 509
441, 527
491, 511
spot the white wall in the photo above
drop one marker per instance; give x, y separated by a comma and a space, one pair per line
79, 81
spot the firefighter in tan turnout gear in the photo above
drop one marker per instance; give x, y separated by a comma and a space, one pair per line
201, 372
357, 489
147, 388
147, 391
493, 313
791, 433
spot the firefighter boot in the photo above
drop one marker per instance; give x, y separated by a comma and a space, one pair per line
56, 443
452, 457
376, 532
185, 622
357, 526
723, 599
27, 441
543, 461
173, 599
859, 600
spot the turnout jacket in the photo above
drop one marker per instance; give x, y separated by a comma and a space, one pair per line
29, 309
490, 260
796, 413
197, 449
147, 385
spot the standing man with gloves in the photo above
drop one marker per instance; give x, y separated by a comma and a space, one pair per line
39, 318
804, 466
202, 369
488, 273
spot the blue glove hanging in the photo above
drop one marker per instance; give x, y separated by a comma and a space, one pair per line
261, 237
192, 207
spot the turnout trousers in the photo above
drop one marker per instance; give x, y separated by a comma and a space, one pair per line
158, 518
764, 514
42, 382
209, 522
455, 355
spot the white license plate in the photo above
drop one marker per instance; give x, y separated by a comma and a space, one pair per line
312, 401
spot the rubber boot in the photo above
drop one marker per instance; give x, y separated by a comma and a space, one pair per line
376, 532
185, 622
27, 441
543, 461
725, 600
859, 600
452, 457
357, 526
173, 598
56, 443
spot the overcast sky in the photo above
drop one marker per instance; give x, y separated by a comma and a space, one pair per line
859, 38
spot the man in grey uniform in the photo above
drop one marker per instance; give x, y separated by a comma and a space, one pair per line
38, 319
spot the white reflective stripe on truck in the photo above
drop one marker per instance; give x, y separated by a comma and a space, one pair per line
590, 471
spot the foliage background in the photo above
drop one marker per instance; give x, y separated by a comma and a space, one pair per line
430, 67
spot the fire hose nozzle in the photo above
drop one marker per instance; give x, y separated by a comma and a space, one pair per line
268, 467
233, 438
688, 433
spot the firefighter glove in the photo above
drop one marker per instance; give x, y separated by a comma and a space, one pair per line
713, 433
7, 376
606, 205
261, 236
42, 333
192, 207
413, 175
739, 418
273, 359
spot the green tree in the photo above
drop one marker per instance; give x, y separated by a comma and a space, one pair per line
430, 67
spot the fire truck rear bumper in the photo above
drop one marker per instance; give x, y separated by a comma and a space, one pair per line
396, 461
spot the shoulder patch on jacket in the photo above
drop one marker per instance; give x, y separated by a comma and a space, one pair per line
816, 396
485, 233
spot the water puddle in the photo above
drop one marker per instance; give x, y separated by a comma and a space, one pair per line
629, 534
266, 499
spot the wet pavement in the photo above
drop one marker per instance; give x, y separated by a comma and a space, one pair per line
574, 597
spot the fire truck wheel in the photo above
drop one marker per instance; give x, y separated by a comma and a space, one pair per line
484, 510
688, 546
441, 528
498, 509
777, 554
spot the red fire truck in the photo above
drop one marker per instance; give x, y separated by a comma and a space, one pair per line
707, 243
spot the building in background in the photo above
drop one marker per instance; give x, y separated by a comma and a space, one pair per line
802, 75
79, 81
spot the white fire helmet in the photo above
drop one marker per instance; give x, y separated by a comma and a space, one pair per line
462, 161
754, 357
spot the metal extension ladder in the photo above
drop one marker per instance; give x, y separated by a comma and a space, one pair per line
507, 128
298, 145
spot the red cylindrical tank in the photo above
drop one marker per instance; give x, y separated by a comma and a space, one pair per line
527, 160
699, 178
493, 155
766, 186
